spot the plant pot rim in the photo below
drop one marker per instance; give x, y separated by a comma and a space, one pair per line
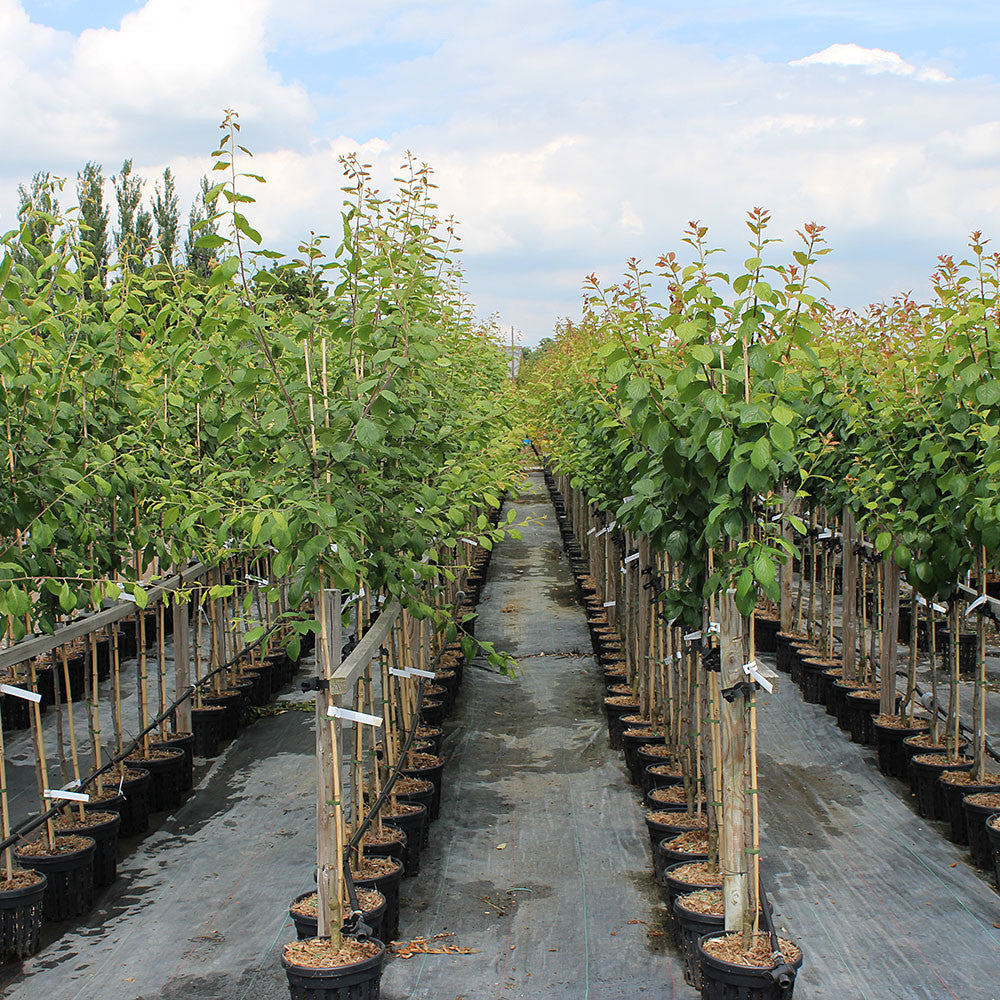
730, 967
338, 970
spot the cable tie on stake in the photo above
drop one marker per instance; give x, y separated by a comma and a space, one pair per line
349, 715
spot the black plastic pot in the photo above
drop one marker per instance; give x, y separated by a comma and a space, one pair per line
431, 712
665, 857
976, 816
104, 833
359, 981
103, 659
931, 803
422, 798
615, 725
839, 692
955, 810
435, 776
388, 885
259, 688
651, 778
911, 750
208, 724
231, 704
185, 743
245, 686
783, 650
993, 835
811, 670
45, 686
826, 681
724, 981
892, 762
308, 927
631, 744
69, 889
766, 633
133, 805
859, 708
21, 920
646, 760
15, 711
434, 734
689, 927
679, 887
395, 849
659, 831
412, 824
166, 774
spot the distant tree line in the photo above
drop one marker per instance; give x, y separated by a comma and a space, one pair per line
148, 233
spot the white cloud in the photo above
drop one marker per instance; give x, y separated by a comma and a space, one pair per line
871, 61
565, 139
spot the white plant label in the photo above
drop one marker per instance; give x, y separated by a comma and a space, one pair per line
260, 581
823, 535
750, 669
632, 558
349, 715
713, 628
20, 693
399, 673
692, 636
123, 596
421, 673
982, 599
469, 541
609, 604
592, 530
59, 793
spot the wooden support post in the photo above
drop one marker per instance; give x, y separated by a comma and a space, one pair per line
738, 894
887, 641
787, 607
181, 666
329, 848
849, 598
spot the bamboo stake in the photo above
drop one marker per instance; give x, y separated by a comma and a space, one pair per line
42, 770
72, 726
8, 854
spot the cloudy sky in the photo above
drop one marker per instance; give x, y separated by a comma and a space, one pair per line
566, 135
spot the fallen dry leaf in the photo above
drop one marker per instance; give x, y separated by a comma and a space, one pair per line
500, 847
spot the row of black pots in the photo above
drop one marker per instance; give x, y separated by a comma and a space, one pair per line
146, 785
653, 773
899, 751
361, 980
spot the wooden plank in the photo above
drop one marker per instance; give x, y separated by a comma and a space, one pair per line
37, 645
887, 641
347, 673
327, 849
182, 666
736, 818
787, 605
849, 598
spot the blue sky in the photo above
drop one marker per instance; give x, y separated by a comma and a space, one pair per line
566, 136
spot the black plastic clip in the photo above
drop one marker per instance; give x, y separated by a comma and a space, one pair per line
745, 688
356, 926
711, 658
315, 684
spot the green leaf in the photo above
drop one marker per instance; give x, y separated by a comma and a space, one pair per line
882, 541
719, 442
224, 272
782, 437
702, 353
760, 457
